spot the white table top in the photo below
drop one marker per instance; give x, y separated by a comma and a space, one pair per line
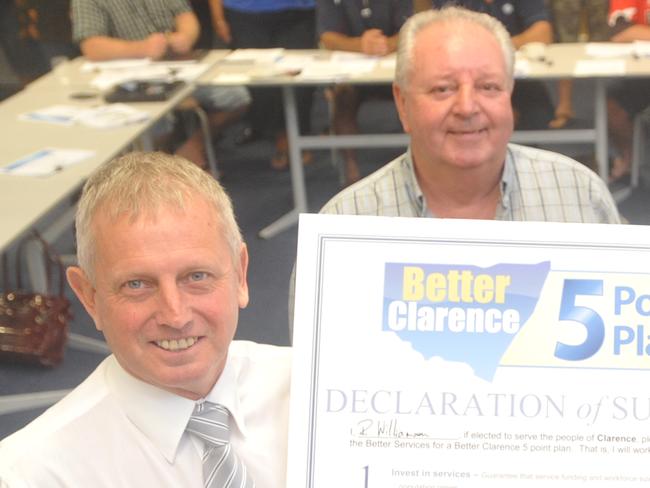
24, 199
559, 62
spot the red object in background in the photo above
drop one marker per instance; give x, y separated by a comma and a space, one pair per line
633, 11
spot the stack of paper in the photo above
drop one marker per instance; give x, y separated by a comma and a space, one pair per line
111, 73
341, 65
254, 56
100, 117
46, 162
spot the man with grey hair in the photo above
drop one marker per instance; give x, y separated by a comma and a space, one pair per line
162, 272
452, 90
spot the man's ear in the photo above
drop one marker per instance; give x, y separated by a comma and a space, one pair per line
400, 103
84, 290
242, 270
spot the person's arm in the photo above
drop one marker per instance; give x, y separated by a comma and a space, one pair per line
219, 23
101, 48
636, 32
187, 32
372, 42
336, 41
540, 31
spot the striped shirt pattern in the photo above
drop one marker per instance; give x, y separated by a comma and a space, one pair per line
536, 185
222, 468
131, 20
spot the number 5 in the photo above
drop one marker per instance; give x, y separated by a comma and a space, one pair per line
592, 322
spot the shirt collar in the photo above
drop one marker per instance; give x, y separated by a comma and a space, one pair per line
226, 393
161, 415
415, 192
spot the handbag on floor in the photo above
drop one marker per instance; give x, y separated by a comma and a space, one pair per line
34, 326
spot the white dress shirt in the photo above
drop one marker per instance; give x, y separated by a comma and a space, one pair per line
114, 430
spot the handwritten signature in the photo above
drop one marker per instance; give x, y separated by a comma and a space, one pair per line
385, 429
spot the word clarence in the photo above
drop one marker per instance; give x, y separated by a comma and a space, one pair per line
454, 311
454, 299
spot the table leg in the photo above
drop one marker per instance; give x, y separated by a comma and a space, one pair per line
295, 165
600, 122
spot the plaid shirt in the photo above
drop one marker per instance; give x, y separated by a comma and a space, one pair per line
131, 20
536, 185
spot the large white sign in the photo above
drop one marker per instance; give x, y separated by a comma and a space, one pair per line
453, 354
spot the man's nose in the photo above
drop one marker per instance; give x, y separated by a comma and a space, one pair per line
466, 103
173, 309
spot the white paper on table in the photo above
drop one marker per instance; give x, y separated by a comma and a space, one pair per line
608, 49
164, 71
55, 114
354, 63
46, 161
641, 49
101, 117
324, 71
350, 57
388, 63
231, 79
293, 62
254, 55
183, 70
522, 68
112, 115
115, 64
590, 67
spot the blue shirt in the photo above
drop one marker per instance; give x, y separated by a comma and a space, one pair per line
268, 5
516, 15
345, 17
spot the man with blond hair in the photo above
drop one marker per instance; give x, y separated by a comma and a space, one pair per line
162, 272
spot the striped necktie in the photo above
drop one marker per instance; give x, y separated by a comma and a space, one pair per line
221, 466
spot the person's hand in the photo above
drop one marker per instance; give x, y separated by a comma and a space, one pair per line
223, 30
179, 42
374, 43
155, 45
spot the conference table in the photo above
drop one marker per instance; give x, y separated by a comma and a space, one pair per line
26, 200
558, 61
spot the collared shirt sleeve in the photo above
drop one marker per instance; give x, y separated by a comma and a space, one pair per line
330, 17
124, 19
531, 11
178, 6
89, 19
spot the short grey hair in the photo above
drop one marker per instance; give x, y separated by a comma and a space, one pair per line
451, 15
139, 183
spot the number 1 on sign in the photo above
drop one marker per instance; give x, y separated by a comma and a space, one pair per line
365, 477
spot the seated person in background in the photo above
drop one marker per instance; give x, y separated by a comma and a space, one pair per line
575, 21
19, 49
453, 82
364, 27
162, 272
630, 21
47, 22
290, 24
526, 21
113, 29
